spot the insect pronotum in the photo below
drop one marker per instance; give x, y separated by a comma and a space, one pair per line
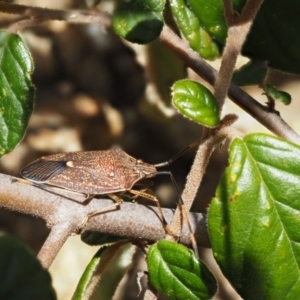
100, 173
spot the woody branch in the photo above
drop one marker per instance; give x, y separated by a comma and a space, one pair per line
64, 215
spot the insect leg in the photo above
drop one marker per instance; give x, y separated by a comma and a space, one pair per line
88, 198
154, 199
48, 188
183, 210
142, 187
56, 190
92, 214
24, 181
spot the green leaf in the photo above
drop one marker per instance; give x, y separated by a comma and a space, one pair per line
139, 21
196, 102
94, 238
210, 14
198, 38
252, 73
88, 274
274, 35
16, 90
275, 94
21, 274
174, 270
105, 271
254, 218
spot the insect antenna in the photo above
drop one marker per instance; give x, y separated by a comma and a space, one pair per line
168, 162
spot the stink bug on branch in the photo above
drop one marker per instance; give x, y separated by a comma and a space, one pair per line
100, 173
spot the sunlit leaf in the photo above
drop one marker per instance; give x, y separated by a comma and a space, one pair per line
254, 218
198, 38
16, 90
196, 102
175, 271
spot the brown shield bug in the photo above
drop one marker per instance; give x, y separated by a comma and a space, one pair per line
99, 173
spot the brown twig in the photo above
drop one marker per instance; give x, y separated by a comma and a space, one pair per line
234, 43
197, 171
54, 242
64, 214
201, 161
250, 10
19, 25
228, 12
45, 14
262, 114
238, 29
236, 36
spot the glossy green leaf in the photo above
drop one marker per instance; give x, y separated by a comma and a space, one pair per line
21, 274
275, 94
210, 14
196, 102
254, 222
174, 270
16, 90
139, 21
105, 271
198, 38
252, 73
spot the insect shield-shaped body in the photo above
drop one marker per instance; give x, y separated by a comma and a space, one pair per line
89, 172
98, 173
